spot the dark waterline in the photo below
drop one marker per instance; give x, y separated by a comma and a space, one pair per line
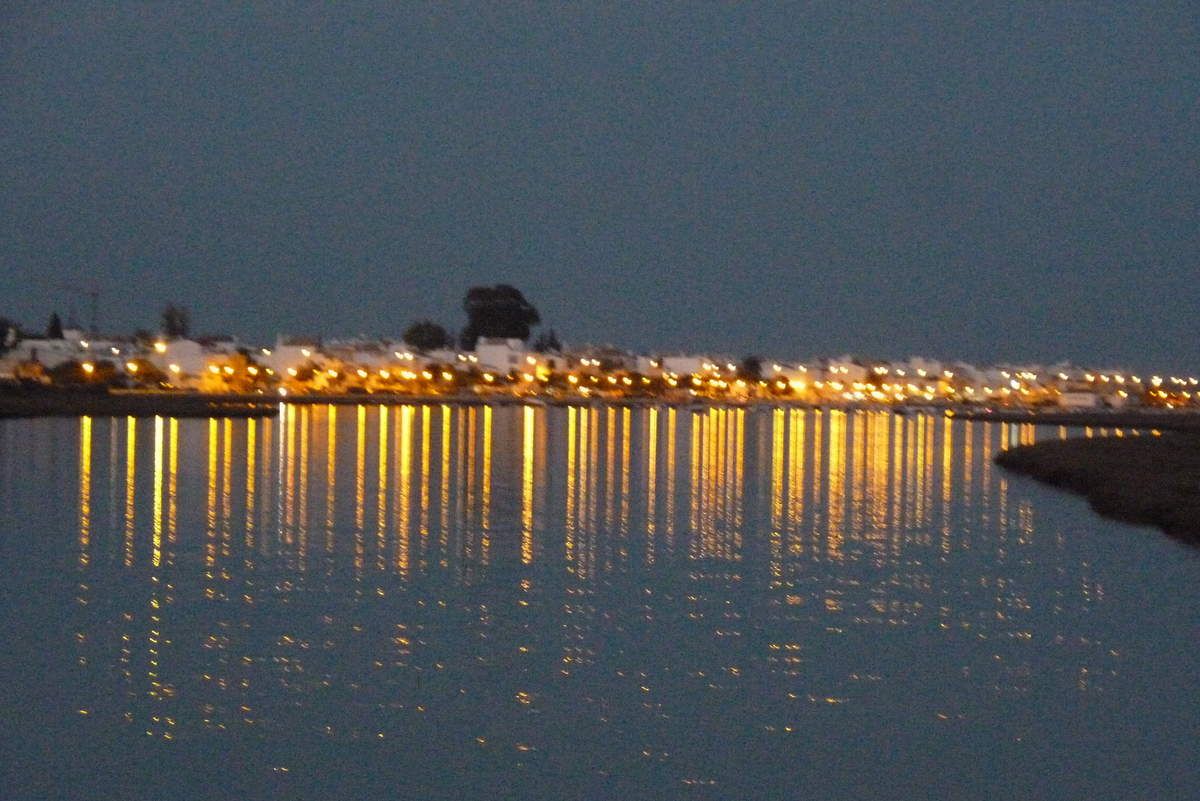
465, 601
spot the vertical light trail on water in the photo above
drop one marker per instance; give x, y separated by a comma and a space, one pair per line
527, 470
837, 484
251, 454
651, 480
569, 523
226, 484
360, 490
444, 528
173, 485
485, 516
947, 480
423, 524
626, 423
156, 526
775, 537
404, 496
85, 490
330, 476
130, 486
671, 480
210, 530
381, 493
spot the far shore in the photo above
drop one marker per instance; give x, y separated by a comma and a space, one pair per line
44, 402
69, 403
1153, 481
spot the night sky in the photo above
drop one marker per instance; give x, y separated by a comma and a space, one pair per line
983, 182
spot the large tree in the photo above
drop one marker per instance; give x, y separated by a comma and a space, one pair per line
426, 335
497, 311
175, 321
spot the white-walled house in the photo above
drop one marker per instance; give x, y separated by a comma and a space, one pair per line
500, 355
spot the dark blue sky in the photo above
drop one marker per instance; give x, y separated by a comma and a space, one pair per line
984, 182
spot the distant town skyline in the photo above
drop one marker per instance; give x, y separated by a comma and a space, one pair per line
984, 183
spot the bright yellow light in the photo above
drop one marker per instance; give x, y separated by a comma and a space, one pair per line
291, 371
160, 347
131, 367
252, 370
305, 352
489, 377
331, 373
174, 368
88, 367
426, 375
361, 373
447, 376
384, 374
212, 368
574, 379
228, 370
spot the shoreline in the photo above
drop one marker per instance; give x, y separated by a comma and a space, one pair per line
79, 402
1149, 481
142, 404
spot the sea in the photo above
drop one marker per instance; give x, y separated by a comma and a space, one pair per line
585, 602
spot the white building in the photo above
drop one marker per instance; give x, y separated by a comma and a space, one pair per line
500, 355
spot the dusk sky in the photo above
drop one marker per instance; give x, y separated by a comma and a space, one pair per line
981, 181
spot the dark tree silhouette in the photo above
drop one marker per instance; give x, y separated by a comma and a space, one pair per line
54, 329
750, 368
547, 342
497, 311
427, 335
175, 321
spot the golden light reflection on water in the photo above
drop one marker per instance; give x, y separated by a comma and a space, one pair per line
85, 490
836, 519
130, 487
528, 422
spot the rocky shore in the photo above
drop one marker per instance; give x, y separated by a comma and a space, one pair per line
1144, 480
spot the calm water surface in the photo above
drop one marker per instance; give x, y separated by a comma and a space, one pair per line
474, 602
